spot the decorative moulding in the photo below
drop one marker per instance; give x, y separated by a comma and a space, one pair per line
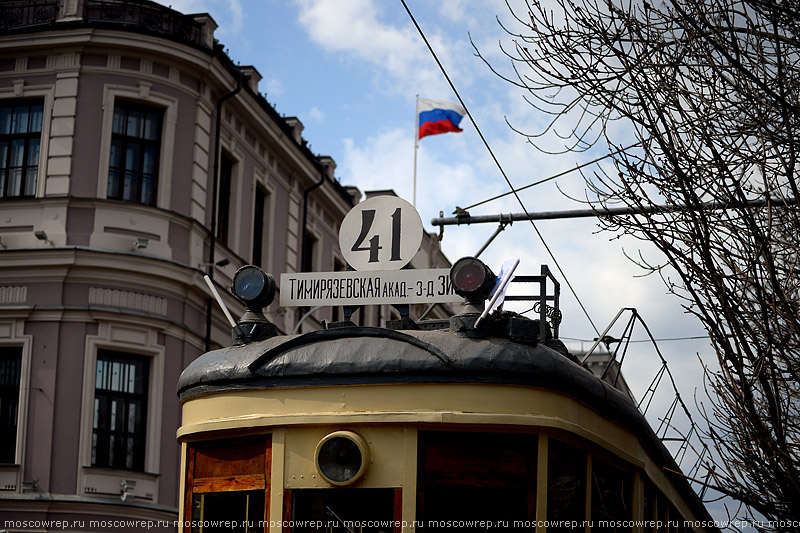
128, 299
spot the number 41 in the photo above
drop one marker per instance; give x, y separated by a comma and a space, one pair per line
367, 219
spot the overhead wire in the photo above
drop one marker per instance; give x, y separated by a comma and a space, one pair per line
698, 337
497, 163
554, 176
666, 421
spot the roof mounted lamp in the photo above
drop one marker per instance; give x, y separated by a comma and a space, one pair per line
473, 280
256, 290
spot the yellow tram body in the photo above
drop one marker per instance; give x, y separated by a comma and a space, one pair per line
447, 427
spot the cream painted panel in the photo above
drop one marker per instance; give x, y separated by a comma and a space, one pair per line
387, 457
404, 404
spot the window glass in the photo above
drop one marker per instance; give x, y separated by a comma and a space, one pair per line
226, 512
261, 227
20, 136
120, 406
152, 126
135, 148
5, 120
10, 372
612, 490
19, 123
309, 245
566, 484
477, 476
36, 118
118, 125
343, 510
224, 197
134, 128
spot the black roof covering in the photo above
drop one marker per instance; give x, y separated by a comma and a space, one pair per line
367, 355
353, 355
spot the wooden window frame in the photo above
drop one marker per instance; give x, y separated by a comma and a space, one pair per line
232, 481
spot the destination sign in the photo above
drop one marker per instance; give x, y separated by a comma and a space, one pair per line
374, 287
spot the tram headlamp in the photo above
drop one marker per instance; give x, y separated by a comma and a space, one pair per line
342, 457
472, 279
254, 287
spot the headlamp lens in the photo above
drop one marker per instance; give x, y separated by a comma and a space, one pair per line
472, 279
249, 283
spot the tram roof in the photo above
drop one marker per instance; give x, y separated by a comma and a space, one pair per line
368, 355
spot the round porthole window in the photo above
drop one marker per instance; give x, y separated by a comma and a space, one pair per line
342, 457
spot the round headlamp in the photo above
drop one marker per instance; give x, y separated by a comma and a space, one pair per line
472, 279
342, 457
254, 287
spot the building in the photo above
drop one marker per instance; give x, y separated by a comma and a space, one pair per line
135, 157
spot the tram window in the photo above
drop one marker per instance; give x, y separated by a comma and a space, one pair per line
649, 507
674, 519
663, 512
234, 511
344, 510
227, 481
566, 485
476, 476
612, 490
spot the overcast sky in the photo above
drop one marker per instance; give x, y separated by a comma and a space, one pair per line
350, 70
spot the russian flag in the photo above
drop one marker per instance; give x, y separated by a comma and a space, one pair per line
438, 116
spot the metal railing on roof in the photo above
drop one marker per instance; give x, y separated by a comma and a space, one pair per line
137, 15
146, 16
25, 13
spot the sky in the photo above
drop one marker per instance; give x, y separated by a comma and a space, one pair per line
350, 71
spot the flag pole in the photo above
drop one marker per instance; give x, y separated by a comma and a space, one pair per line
416, 147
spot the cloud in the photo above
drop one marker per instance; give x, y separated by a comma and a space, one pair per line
274, 86
315, 114
354, 29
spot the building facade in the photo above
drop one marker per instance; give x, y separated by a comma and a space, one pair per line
135, 158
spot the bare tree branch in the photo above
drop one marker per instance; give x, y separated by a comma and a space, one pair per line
710, 89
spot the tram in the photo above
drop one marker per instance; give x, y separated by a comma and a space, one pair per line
417, 427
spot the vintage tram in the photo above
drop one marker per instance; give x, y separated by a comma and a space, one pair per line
417, 427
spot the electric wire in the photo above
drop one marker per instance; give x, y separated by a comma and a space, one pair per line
698, 337
554, 176
497, 163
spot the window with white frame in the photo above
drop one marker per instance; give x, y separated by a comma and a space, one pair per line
20, 140
227, 170
261, 227
135, 152
10, 374
119, 429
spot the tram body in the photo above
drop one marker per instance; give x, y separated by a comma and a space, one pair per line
445, 426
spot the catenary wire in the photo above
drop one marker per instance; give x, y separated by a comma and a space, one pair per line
699, 337
554, 176
497, 163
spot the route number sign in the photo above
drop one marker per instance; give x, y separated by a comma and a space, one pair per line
380, 233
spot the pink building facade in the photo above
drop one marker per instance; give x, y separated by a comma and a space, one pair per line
108, 128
